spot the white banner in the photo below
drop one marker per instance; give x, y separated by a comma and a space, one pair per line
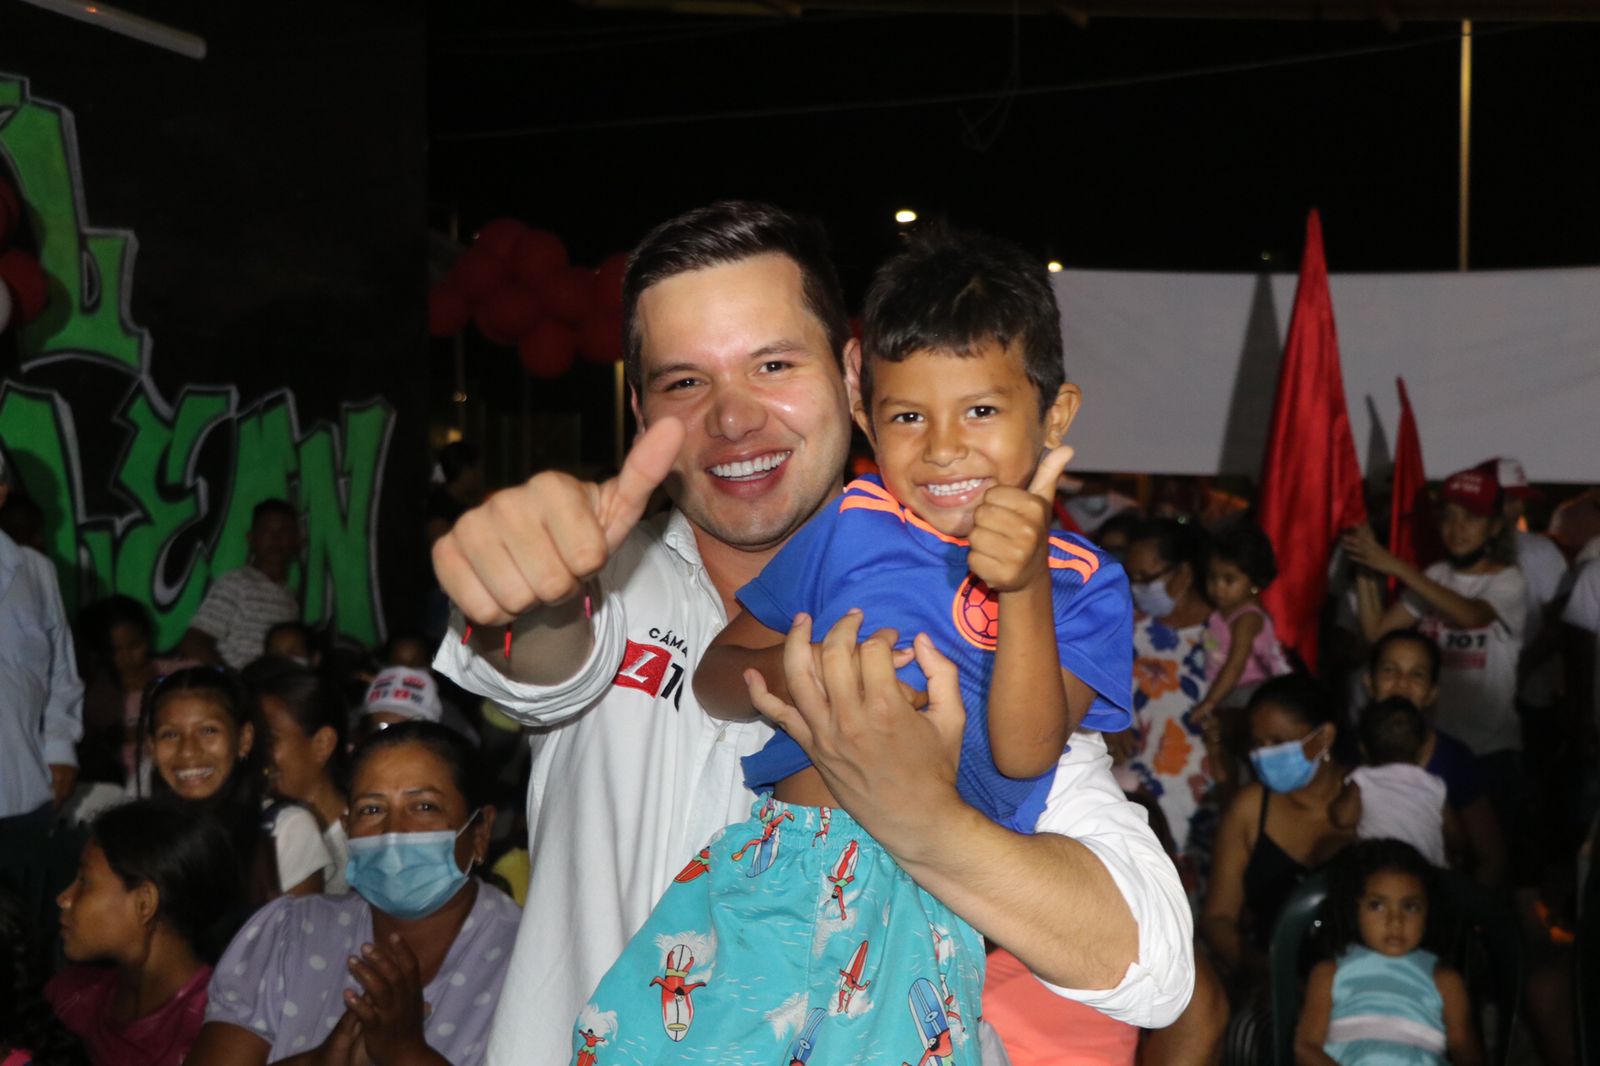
1178, 370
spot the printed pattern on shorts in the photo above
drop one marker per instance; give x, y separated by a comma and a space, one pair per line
792, 938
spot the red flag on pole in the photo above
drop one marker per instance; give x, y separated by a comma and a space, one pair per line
1310, 480
1412, 535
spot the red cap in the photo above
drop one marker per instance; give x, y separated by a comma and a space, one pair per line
1477, 490
1513, 480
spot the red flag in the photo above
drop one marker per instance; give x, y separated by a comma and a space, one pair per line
1310, 481
1412, 535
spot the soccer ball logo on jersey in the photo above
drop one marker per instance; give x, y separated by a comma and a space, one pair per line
976, 613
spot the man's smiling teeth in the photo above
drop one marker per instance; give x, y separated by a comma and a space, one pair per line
954, 488
750, 467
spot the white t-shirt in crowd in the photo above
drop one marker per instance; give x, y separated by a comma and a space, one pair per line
1544, 568
338, 843
1478, 682
630, 778
1400, 801
297, 840
238, 610
1583, 611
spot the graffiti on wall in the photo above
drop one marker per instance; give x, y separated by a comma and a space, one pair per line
143, 494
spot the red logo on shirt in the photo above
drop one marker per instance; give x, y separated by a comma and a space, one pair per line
644, 667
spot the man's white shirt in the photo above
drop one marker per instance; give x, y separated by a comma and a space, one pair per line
630, 778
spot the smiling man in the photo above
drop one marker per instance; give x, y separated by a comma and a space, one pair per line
735, 337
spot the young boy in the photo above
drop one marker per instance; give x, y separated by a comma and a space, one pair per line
795, 932
1391, 796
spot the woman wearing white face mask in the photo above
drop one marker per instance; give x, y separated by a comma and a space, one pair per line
1166, 749
407, 968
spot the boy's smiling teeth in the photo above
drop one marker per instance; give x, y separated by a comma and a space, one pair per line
953, 488
750, 467
194, 774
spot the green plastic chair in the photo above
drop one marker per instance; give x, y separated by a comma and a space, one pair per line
1480, 937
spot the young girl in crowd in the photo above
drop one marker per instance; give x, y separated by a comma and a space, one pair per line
202, 728
1242, 648
1392, 796
1384, 998
306, 721
152, 884
117, 638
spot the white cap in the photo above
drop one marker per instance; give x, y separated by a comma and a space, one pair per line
402, 690
1513, 479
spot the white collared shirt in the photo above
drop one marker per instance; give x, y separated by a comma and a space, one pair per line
41, 698
630, 778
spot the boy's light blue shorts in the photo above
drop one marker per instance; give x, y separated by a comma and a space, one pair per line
791, 938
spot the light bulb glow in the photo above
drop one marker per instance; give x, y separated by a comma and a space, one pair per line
1054, 266
905, 216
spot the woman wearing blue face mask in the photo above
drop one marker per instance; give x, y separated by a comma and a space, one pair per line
1167, 750
1277, 828
408, 967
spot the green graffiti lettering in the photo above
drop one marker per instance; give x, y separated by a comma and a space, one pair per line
158, 550
87, 269
340, 505
155, 474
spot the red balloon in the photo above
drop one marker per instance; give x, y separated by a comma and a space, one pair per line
505, 314
536, 255
569, 294
30, 289
477, 273
608, 282
448, 310
499, 236
600, 338
548, 350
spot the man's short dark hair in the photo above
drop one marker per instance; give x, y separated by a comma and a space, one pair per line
731, 231
949, 291
273, 506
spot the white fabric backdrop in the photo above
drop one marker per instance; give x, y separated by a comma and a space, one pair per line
1178, 370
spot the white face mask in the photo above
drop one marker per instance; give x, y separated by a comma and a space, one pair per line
1152, 597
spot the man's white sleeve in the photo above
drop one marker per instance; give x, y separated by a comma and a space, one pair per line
541, 704
63, 711
1086, 804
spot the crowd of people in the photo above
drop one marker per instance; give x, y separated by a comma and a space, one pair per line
726, 779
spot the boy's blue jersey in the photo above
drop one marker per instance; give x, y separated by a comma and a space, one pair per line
867, 550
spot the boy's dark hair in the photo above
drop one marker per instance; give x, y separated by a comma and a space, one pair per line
1392, 731
1347, 883
273, 505
451, 747
949, 291
184, 853
731, 231
1248, 548
1406, 636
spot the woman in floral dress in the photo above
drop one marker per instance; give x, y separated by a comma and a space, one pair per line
1168, 752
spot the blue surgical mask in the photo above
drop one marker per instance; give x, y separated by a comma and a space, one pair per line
407, 875
1284, 767
1152, 598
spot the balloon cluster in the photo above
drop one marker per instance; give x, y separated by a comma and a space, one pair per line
518, 288
23, 288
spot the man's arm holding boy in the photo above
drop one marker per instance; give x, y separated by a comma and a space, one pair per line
1099, 914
